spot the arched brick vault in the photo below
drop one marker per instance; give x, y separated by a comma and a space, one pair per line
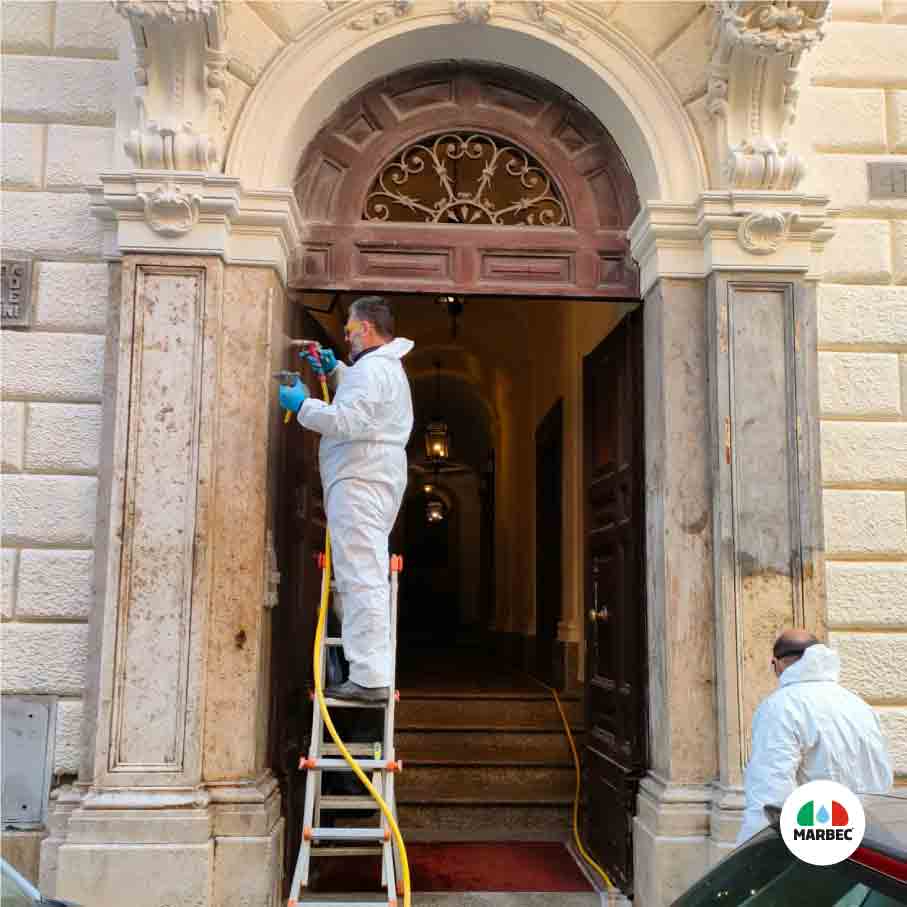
587, 255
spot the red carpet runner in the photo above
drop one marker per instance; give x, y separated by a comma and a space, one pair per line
528, 866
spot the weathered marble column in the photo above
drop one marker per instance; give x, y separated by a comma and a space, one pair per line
766, 487
672, 821
176, 803
733, 520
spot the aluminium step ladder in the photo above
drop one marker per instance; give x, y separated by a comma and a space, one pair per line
376, 759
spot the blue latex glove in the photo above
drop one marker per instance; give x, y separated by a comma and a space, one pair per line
327, 364
291, 398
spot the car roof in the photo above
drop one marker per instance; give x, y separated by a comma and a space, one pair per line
886, 823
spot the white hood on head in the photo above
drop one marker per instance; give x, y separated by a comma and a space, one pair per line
817, 663
394, 349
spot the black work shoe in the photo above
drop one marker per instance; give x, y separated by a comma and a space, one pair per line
351, 690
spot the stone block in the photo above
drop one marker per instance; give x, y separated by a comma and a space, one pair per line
77, 154
44, 658
653, 25
44, 224
178, 875
899, 250
59, 90
822, 113
894, 726
859, 252
290, 19
72, 296
897, 120
86, 28
10, 563
684, 60
23, 154
865, 522
866, 594
253, 44
68, 741
865, 454
13, 436
859, 384
55, 584
247, 870
63, 437
237, 92
49, 510
27, 27
844, 178
873, 665
874, 316
53, 367
855, 53
22, 849
858, 11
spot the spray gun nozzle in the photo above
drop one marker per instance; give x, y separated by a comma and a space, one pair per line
287, 378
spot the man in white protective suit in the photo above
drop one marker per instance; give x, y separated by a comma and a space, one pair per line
364, 432
810, 729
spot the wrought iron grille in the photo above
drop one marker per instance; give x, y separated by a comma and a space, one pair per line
465, 178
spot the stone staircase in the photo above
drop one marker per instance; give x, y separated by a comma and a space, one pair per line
485, 766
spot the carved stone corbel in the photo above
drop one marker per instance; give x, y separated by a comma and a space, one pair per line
757, 47
181, 86
474, 12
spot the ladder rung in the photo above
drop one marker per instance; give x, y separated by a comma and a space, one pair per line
348, 834
346, 851
332, 641
348, 802
341, 765
308, 903
352, 704
356, 749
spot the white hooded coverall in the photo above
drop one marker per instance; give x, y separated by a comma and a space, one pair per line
362, 458
811, 729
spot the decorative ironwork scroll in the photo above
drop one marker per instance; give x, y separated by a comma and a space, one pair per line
465, 178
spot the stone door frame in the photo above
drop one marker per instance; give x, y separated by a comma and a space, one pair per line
722, 235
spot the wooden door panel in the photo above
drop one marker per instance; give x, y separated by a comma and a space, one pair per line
615, 756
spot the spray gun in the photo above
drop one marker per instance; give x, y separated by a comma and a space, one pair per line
289, 378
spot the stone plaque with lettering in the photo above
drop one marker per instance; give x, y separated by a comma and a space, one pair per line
16, 293
887, 179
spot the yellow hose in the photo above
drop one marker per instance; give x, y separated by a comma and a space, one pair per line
319, 693
585, 854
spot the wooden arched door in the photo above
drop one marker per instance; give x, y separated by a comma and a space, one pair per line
467, 178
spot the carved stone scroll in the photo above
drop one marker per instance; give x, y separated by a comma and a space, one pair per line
752, 88
181, 87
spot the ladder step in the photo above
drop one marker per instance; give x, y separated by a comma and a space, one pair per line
347, 834
341, 765
356, 749
333, 641
352, 704
346, 851
381, 903
349, 802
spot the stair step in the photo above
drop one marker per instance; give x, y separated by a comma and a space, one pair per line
494, 712
453, 822
484, 747
489, 785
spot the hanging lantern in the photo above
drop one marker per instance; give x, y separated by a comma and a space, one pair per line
437, 441
437, 434
434, 511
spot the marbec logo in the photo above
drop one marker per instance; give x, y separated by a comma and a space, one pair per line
822, 823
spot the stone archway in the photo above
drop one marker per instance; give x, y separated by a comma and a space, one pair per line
376, 190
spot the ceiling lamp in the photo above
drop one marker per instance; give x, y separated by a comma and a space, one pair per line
437, 434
